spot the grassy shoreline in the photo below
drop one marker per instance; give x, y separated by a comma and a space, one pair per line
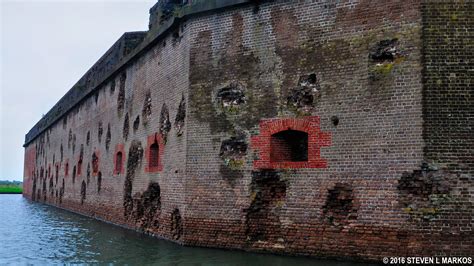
11, 189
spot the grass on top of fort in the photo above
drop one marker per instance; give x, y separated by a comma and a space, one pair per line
11, 187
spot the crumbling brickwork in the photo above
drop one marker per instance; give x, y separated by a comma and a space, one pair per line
336, 129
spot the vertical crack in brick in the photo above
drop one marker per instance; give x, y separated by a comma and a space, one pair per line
146, 111
146, 207
135, 155
121, 94
73, 143
81, 159
61, 152
88, 173
136, 124
99, 181
112, 86
83, 192
176, 224
69, 139
88, 138
33, 194
180, 117
61, 192
57, 173
108, 137
126, 126
165, 124
100, 131
74, 174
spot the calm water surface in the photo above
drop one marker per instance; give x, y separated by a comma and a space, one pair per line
33, 233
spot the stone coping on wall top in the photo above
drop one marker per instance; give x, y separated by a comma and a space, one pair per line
93, 80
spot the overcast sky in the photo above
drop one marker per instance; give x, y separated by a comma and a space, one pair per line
46, 46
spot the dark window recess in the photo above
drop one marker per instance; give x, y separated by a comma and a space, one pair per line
289, 146
118, 162
154, 155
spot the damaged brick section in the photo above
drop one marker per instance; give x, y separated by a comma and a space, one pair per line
339, 208
136, 124
231, 97
99, 182
165, 124
233, 151
83, 191
100, 131
180, 117
176, 224
302, 97
147, 207
135, 155
121, 94
146, 111
383, 57
385, 51
126, 126
108, 137
424, 192
268, 195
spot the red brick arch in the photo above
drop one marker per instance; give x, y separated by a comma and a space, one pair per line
309, 125
158, 138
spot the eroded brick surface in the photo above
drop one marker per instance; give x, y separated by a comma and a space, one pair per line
337, 129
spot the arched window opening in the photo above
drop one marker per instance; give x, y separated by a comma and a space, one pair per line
66, 169
118, 162
154, 155
289, 146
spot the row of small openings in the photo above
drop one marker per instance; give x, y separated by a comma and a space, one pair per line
288, 145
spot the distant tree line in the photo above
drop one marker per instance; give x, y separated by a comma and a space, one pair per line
11, 183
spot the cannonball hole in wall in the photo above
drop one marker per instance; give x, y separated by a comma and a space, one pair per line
289, 146
335, 120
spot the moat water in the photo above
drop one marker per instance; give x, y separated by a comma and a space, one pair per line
33, 233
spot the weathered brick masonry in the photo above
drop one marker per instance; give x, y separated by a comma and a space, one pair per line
323, 128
